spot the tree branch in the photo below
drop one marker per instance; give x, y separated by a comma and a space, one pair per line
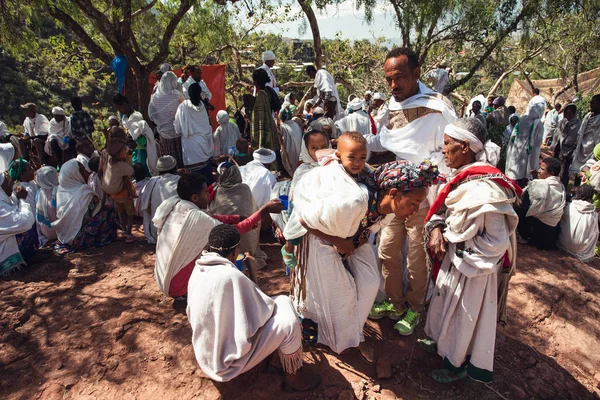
163, 51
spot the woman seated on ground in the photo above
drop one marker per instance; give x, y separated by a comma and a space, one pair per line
82, 220
471, 229
339, 298
235, 325
578, 228
16, 222
21, 172
232, 197
47, 179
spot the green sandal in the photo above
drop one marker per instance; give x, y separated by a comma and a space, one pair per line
428, 345
445, 376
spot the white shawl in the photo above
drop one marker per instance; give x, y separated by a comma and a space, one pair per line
548, 199
152, 195
226, 310
225, 135
183, 231
358, 121
578, 231
324, 82
58, 131
137, 126
163, 105
589, 137
260, 180
72, 200
192, 123
16, 217
292, 136
328, 200
7, 154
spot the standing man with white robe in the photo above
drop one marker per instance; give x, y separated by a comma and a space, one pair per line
589, 134
357, 121
196, 77
268, 63
415, 131
326, 90
37, 127
380, 111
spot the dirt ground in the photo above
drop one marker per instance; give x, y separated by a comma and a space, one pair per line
94, 325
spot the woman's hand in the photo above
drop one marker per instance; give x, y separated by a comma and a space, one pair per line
272, 207
437, 244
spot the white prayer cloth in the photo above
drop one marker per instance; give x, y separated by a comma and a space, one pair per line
205, 95
139, 187
273, 82
32, 190
183, 231
38, 125
4, 129
192, 123
380, 116
260, 180
551, 120
292, 138
16, 217
155, 192
308, 163
578, 233
338, 300
589, 137
73, 198
7, 155
234, 324
324, 83
358, 121
58, 131
462, 316
539, 103
136, 126
548, 200
524, 148
225, 136
163, 105
47, 180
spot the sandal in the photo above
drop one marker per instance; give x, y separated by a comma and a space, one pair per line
428, 345
445, 376
367, 352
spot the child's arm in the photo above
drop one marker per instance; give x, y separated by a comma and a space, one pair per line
130, 190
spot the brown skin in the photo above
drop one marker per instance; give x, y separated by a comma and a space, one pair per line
542, 172
83, 172
124, 108
197, 74
595, 106
403, 81
28, 174
58, 118
568, 114
270, 63
30, 113
476, 108
377, 103
202, 200
7, 185
353, 155
316, 142
456, 154
403, 205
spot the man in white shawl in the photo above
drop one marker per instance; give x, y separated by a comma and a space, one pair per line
524, 145
146, 151
17, 218
542, 206
578, 228
589, 134
551, 120
60, 128
381, 111
470, 230
258, 177
537, 101
325, 88
225, 136
192, 123
7, 155
161, 110
36, 127
196, 77
414, 132
357, 121
156, 191
235, 326
268, 59
47, 180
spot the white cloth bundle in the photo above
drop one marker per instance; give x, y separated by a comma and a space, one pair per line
136, 126
578, 231
7, 154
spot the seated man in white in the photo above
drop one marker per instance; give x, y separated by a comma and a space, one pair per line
235, 326
578, 228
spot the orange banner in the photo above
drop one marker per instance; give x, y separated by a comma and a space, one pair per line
214, 77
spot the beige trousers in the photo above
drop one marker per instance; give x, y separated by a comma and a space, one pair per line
391, 242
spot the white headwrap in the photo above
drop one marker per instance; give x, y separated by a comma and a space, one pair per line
113, 118
475, 144
222, 117
46, 177
379, 96
58, 111
368, 92
318, 111
165, 68
167, 84
166, 163
264, 158
355, 105
268, 55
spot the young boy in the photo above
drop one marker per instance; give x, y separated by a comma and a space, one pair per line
116, 181
241, 153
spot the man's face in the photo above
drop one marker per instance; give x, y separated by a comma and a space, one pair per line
197, 74
595, 106
403, 81
30, 113
476, 107
367, 97
270, 63
568, 114
377, 103
58, 118
543, 171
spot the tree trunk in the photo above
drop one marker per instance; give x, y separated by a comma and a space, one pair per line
314, 27
143, 91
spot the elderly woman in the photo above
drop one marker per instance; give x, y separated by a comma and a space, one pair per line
47, 179
161, 110
232, 197
471, 231
337, 277
225, 136
16, 223
82, 220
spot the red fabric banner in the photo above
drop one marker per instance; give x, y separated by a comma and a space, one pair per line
214, 77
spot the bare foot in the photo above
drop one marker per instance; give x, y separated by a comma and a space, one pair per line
301, 381
366, 352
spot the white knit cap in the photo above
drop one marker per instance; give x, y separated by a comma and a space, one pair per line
268, 55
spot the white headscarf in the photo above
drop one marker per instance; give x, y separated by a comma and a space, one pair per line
167, 84
475, 144
72, 200
222, 117
7, 154
268, 55
47, 179
264, 158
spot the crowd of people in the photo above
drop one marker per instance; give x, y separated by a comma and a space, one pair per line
436, 226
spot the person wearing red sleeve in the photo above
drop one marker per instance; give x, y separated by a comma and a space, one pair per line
183, 229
